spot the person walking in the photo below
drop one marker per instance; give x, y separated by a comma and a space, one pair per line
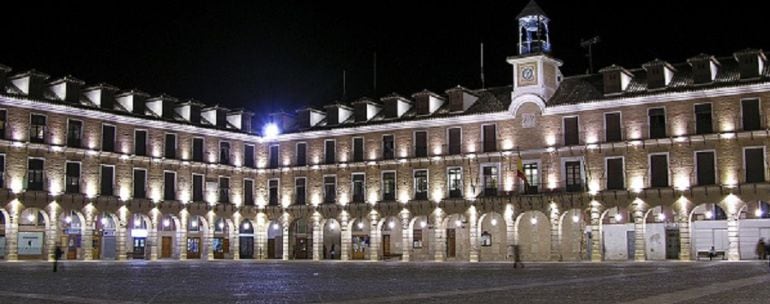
517, 257
761, 249
56, 256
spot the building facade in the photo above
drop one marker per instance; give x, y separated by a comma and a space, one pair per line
661, 162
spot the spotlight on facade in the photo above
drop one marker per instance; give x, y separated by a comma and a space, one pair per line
360, 225
31, 217
391, 224
332, 226
137, 223
275, 226
271, 130
104, 221
166, 223
533, 220
458, 223
68, 219
758, 212
661, 217
575, 218
423, 224
709, 214
246, 226
221, 225
618, 217
493, 222
194, 224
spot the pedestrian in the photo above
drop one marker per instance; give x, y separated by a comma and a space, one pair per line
56, 256
332, 251
712, 253
761, 249
517, 257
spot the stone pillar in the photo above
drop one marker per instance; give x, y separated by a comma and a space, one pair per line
121, 233
260, 236
439, 240
511, 233
683, 220
375, 236
52, 232
285, 235
640, 243
553, 218
406, 235
473, 234
153, 237
733, 253
345, 237
87, 234
11, 233
318, 238
596, 233
209, 236
235, 236
181, 235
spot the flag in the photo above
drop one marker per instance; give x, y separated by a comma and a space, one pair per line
520, 172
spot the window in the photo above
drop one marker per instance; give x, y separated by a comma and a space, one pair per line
658, 170
388, 147
574, 181
703, 123
705, 165
301, 154
330, 189
612, 129
533, 177
571, 137
2, 170
224, 190
420, 184
197, 149
169, 185
389, 186
273, 157
657, 119
420, 144
108, 138
170, 151
140, 142
299, 191
754, 159
74, 133
486, 239
248, 156
358, 149
37, 128
248, 192
489, 136
35, 174
272, 186
417, 238
490, 180
455, 137
358, 187
455, 177
750, 115
330, 150
140, 179
224, 153
107, 184
73, 178
3, 119
615, 174
197, 188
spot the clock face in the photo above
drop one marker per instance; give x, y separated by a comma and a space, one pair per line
527, 73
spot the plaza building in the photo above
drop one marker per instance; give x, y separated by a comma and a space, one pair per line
662, 161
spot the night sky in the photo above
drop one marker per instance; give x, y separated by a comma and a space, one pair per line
285, 55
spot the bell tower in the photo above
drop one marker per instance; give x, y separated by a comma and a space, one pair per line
536, 74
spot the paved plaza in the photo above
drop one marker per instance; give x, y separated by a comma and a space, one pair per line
347, 282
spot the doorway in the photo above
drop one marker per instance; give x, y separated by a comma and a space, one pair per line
300, 248
96, 244
138, 252
165, 247
631, 244
386, 245
246, 249
271, 254
450, 243
672, 244
193, 248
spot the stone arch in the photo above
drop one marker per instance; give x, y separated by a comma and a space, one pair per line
524, 99
34, 225
708, 227
574, 244
360, 238
753, 219
246, 240
197, 232
221, 240
660, 228
138, 226
301, 238
274, 235
72, 224
458, 225
332, 239
167, 226
105, 226
534, 236
391, 237
493, 245
618, 234
420, 239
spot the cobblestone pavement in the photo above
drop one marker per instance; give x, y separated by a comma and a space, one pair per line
349, 282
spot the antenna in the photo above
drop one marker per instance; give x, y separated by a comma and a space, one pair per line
374, 74
482, 66
344, 86
589, 44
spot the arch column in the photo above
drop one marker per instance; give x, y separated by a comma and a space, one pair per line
285, 236
473, 235
52, 231
11, 235
87, 234
406, 235
345, 237
439, 239
260, 235
181, 234
553, 218
318, 237
596, 232
375, 236
120, 232
209, 235
153, 235
235, 236
733, 253
640, 244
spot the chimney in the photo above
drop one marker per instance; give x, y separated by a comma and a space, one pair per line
30, 83
659, 74
190, 110
67, 89
751, 63
427, 102
283, 120
704, 68
616, 79
460, 99
162, 106
337, 113
102, 95
309, 117
240, 119
133, 101
365, 109
395, 105
215, 115
4, 70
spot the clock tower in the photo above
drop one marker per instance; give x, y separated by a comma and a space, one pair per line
536, 74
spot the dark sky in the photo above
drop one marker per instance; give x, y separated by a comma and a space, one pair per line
283, 55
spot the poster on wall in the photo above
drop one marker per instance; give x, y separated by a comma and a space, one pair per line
2, 246
30, 243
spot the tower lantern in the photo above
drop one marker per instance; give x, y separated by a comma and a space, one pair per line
533, 30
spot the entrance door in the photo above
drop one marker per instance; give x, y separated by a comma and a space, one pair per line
219, 248
300, 248
247, 247
193, 248
386, 245
165, 247
360, 243
96, 244
631, 244
450, 243
73, 242
672, 244
138, 252
271, 249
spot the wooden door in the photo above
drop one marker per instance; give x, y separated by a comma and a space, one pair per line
219, 248
386, 245
271, 249
300, 248
72, 247
450, 243
165, 247
246, 247
672, 244
138, 252
96, 244
193, 248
